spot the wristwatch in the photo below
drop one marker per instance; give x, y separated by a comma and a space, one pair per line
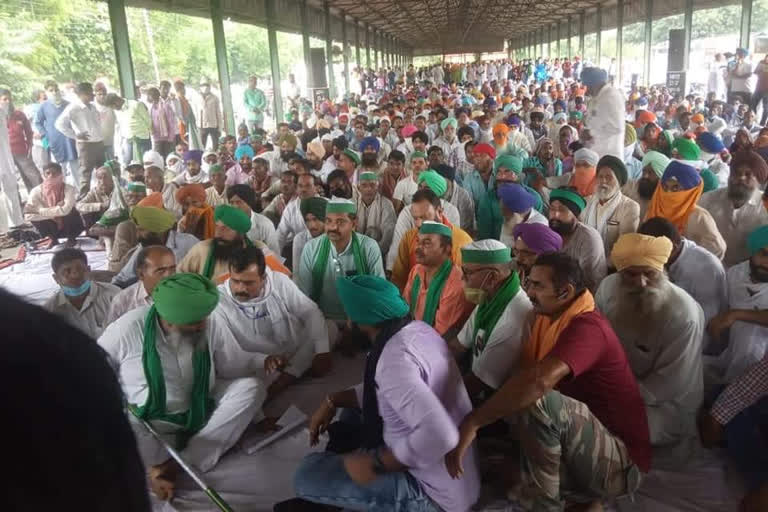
378, 464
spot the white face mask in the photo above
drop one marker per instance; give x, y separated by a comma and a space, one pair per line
4, 108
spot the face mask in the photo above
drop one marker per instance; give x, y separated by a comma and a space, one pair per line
4, 108
477, 295
76, 292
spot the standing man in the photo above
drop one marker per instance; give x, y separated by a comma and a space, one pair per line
135, 126
604, 124
108, 119
255, 104
163, 123
82, 122
62, 148
211, 118
21, 139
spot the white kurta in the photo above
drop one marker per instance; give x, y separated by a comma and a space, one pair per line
291, 222
237, 400
92, 316
605, 121
263, 230
667, 362
747, 343
377, 220
10, 187
499, 358
405, 222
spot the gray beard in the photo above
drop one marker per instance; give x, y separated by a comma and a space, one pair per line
637, 312
603, 194
197, 339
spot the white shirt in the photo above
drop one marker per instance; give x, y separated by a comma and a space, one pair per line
44, 211
281, 321
179, 243
108, 121
291, 222
135, 296
78, 119
405, 189
213, 198
263, 230
92, 316
499, 358
605, 121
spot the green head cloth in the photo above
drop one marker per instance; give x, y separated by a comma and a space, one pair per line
351, 153
136, 186
215, 169
370, 300
710, 181
368, 176
449, 121
340, 205
486, 252
429, 227
511, 162
418, 154
315, 206
434, 181
757, 239
571, 199
657, 161
575, 114
152, 219
686, 149
185, 298
234, 218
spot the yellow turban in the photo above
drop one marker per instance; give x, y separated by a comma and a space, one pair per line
636, 250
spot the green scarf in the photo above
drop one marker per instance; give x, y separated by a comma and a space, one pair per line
434, 292
210, 260
321, 262
489, 313
200, 405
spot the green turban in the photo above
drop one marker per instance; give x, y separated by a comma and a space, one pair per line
136, 186
757, 240
575, 114
710, 181
152, 219
657, 161
449, 121
511, 162
686, 149
616, 165
570, 199
290, 139
185, 298
215, 169
234, 218
434, 181
370, 300
418, 154
353, 155
314, 205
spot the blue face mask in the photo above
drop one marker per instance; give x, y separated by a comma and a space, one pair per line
76, 292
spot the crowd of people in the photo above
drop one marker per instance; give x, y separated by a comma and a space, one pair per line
528, 254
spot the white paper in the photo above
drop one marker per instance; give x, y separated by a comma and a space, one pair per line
291, 418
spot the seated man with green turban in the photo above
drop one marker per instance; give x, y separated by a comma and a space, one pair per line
339, 252
185, 374
412, 398
210, 258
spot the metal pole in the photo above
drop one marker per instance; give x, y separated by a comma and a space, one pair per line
221, 64
345, 51
570, 31
376, 42
746, 23
274, 61
357, 46
122, 44
581, 33
557, 46
647, 44
541, 42
329, 51
305, 43
367, 46
688, 28
598, 32
619, 38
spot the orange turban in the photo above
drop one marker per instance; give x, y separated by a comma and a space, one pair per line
636, 250
155, 199
194, 190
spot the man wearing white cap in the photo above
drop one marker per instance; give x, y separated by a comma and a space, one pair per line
154, 178
495, 330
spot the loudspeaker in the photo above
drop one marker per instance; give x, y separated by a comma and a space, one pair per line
317, 68
676, 59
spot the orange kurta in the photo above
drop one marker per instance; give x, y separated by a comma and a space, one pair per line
403, 264
453, 309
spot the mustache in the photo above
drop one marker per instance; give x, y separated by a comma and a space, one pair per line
332, 232
419, 253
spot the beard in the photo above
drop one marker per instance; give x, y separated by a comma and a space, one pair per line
645, 188
150, 239
562, 228
605, 192
757, 273
197, 339
224, 249
285, 155
369, 159
739, 192
638, 308
344, 192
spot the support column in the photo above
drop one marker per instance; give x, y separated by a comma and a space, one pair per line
647, 43
559, 36
122, 44
549, 41
329, 52
222, 66
357, 46
305, 43
541, 42
367, 46
345, 51
746, 23
581, 34
688, 28
375, 51
619, 38
570, 32
598, 32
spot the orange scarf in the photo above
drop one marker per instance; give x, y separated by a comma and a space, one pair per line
545, 332
415, 241
676, 207
199, 222
584, 180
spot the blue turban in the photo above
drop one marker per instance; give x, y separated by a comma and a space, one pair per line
513, 121
710, 142
489, 101
370, 300
642, 101
592, 77
243, 149
370, 141
561, 104
515, 198
193, 154
686, 175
